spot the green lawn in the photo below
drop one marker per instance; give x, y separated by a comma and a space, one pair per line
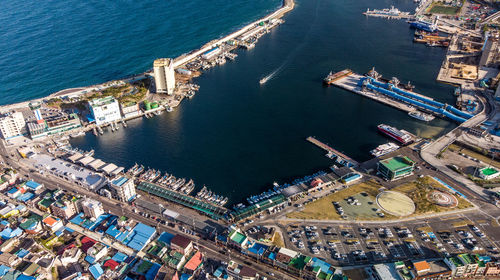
444, 10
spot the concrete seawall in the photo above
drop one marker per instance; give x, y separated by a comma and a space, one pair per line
286, 7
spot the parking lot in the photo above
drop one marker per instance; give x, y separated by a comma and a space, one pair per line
354, 245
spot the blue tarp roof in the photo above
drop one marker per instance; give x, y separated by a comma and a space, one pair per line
272, 256
166, 237
4, 223
96, 271
33, 185
185, 276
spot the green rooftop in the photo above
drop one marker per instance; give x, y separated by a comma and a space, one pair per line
489, 171
299, 262
215, 212
396, 163
456, 261
466, 258
238, 237
46, 202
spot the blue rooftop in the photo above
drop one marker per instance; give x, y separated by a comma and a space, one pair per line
166, 237
9, 233
96, 271
12, 191
218, 272
24, 277
324, 266
119, 257
22, 253
140, 236
120, 181
258, 249
3, 270
185, 276
153, 271
33, 185
90, 259
25, 197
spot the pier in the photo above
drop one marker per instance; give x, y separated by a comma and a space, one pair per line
332, 151
389, 93
351, 83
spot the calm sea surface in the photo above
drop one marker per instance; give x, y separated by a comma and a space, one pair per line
235, 136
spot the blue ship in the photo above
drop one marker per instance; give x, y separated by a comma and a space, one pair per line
423, 25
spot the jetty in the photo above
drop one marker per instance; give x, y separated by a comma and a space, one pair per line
333, 153
392, 93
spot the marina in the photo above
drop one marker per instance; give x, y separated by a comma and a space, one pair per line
181, 185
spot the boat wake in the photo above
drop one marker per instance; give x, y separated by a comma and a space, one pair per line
294, 52
271, 75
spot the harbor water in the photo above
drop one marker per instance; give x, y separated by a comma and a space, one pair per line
237, 136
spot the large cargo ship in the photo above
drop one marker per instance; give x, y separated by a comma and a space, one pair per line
423, 25
401, 136
384, 149
332, 77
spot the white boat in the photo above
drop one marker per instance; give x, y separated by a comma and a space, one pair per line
384, 149
263, 80
421, 116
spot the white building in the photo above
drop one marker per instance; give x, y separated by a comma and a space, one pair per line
12, 125
124, 187
164, 75
71, 255
92, 208
105, 110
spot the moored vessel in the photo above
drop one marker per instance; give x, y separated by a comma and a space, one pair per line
332, 77
384, 149
401, 136
421, 116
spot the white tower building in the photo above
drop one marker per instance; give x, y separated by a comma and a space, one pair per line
164, 75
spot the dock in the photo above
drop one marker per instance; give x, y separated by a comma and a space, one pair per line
389, 93
332, 151
351, 83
